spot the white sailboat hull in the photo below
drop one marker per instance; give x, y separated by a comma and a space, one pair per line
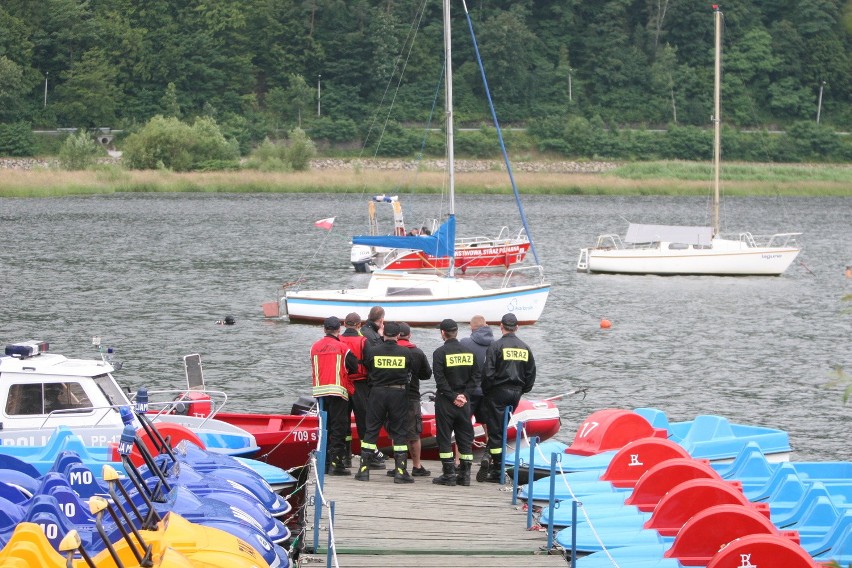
724, 257
419, 300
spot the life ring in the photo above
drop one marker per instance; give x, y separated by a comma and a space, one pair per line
175, 433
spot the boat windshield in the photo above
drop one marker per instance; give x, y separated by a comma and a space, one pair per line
113, 393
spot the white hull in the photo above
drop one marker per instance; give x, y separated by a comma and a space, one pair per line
724, 257
419, 300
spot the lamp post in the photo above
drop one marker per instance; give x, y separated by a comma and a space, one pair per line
46, 73
570, 97
819, 102
319, 93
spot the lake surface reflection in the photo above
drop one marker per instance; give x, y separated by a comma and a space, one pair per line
151, 274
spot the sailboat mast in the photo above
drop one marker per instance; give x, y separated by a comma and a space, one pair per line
717, 117
448, 109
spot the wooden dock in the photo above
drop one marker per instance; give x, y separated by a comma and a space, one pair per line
383, 524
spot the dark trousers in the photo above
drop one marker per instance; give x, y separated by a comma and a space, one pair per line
496, 401
450, 418
358, 402
387, 405
337, 424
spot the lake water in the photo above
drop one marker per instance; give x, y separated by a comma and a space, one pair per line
151, 274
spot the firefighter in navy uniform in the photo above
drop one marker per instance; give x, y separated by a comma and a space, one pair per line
389, 372
456, 376
331, 363
509, 372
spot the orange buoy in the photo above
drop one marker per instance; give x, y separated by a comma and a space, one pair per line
606, 324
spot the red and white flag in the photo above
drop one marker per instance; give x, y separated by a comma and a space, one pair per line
326, 224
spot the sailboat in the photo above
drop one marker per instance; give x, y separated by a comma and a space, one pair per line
426, 299
479, 253
669, 250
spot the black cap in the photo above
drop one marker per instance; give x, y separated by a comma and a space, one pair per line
229, 320
449, 325
391, 329
404, 329
509, 320
331, 323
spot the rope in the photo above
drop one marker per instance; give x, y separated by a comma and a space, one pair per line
580, 507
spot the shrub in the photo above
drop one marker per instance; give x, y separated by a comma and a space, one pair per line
170, 143
269, 157
324, 128
300, 150
16, 139
79, 151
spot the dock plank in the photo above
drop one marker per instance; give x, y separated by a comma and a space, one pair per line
380, 523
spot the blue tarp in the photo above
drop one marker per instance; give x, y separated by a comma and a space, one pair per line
441, 244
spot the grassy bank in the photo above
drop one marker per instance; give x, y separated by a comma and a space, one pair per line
646, 178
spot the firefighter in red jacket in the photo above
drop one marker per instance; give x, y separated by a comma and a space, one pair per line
360, 392
331, 363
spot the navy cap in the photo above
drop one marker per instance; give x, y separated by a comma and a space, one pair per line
509, 320
404, 329
391, 329
331, 323
449, 325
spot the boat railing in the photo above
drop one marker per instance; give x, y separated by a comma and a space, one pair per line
609, 242
62, 413
217, 401
778, 240
537, 269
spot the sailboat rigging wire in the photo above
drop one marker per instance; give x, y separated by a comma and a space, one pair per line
499, 134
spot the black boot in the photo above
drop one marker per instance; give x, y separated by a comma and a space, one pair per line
338, 467
400, 475
377, 461
347, 459
495, 472
449, 475
364, 467
484, 468
463, 477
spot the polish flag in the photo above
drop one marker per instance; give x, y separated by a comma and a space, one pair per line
326, 224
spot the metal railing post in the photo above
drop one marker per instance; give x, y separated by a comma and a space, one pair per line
506, 413
552, 499
320, 459
517, 469
328, 555
533, 442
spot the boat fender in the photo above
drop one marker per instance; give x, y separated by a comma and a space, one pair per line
174, 433
193, 403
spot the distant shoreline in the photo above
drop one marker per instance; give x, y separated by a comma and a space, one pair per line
322, 164
41, 177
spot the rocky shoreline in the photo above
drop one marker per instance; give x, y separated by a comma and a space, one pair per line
462, 166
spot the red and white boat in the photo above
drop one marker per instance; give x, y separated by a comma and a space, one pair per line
286, 440
471, 253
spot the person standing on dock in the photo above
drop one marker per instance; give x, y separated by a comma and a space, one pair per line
331, 362
480, 338
456, 377
509, 372
389, 372
420, 371
356, 342
372, 328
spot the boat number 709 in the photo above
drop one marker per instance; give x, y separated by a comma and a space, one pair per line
305, 435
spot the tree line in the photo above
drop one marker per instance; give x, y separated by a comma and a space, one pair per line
259, 68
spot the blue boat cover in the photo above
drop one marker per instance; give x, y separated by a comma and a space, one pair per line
439, 245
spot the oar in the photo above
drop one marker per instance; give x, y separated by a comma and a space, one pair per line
560, 396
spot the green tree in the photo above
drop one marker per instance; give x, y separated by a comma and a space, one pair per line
169, 102
298, 96
12, 88
79, 151
89, 95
